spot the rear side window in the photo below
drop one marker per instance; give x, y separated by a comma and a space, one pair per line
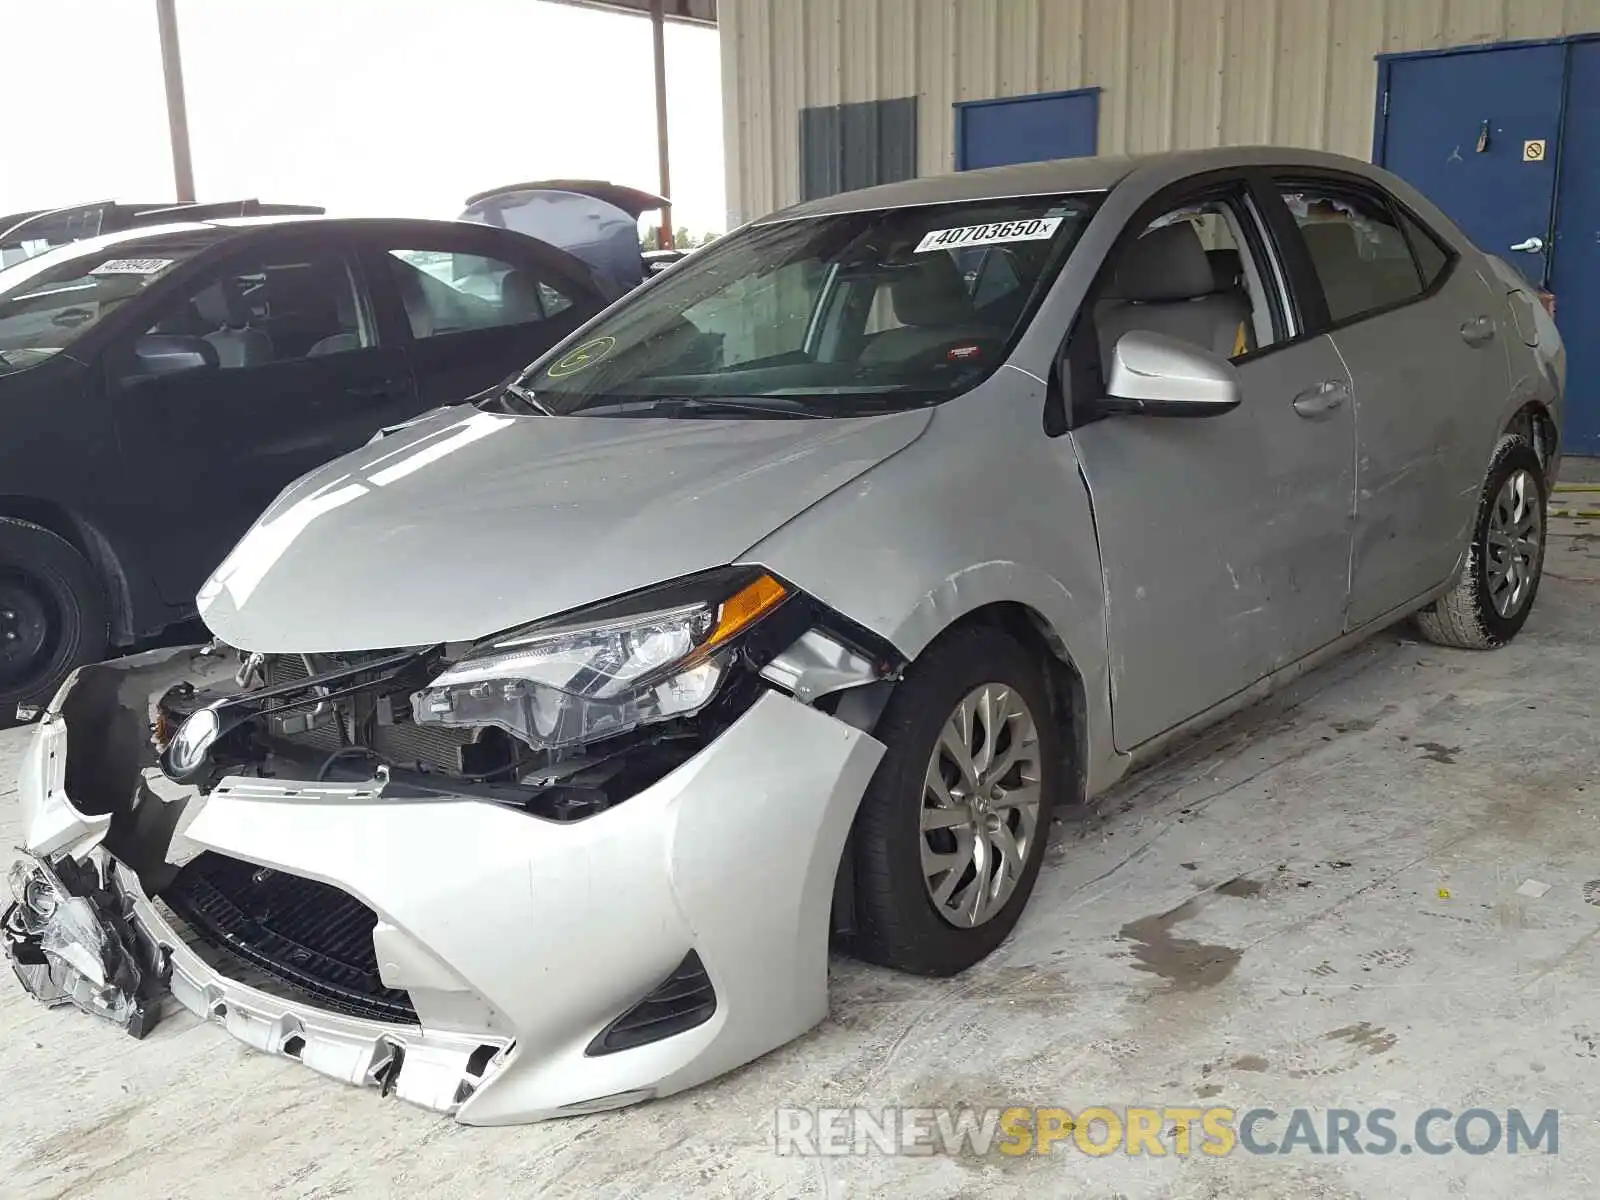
1357, 249
1432, 258
445, 292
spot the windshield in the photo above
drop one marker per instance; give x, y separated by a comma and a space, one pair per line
50, 301
822, 316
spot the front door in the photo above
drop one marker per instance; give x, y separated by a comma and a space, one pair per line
287, 373
1224, 541
1507, 142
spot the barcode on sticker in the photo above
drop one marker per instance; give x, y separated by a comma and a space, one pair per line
132, 266
1034, 229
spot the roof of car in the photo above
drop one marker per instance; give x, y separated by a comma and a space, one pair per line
1058, 176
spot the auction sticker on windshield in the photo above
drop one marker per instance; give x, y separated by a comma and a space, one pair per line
583, 356
132, 266
1036, 229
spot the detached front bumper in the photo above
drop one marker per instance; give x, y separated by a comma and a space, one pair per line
520, 941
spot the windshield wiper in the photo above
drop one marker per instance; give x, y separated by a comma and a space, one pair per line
526, 398
678, 406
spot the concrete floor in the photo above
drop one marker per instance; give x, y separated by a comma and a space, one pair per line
1315, 906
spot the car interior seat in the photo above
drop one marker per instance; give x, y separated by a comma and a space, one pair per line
419, 313
1354, 283
222, 308
349, 335
931, 302
519, 297
1164, 283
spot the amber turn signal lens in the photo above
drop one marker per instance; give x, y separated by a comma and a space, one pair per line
744, 608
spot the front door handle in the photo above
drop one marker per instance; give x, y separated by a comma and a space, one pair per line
1479, 331
1321, 399
1533, 245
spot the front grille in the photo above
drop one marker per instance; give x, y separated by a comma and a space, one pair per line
682, 1001
308, 935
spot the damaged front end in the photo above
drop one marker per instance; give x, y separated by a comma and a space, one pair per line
432, 868
72, 940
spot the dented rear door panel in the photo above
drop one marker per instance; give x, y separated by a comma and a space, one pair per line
1426, 404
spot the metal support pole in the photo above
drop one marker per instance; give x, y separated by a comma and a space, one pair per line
658, 29
177, 112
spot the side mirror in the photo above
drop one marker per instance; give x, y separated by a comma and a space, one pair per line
168, 354
1158, 376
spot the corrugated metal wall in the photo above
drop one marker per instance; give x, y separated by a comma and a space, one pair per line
1176, 74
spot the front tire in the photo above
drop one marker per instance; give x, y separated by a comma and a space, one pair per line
53, 615
952, 829
1491, 601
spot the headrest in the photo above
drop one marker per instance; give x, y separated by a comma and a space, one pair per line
1331, 241
1226, 268
519, 294
931, 292
221, 304
1168, 263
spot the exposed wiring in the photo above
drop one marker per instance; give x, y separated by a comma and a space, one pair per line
350, 752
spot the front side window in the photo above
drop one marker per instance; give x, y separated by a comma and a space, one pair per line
1357, 250
823, 316
272, 308
51, 301
445, 292
1189, 274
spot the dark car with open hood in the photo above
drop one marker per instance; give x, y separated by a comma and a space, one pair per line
161, 384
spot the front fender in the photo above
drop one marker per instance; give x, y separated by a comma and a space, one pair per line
983, 509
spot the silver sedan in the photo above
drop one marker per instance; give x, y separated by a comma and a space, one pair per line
549, 740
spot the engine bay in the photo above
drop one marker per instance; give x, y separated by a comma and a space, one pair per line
342, 717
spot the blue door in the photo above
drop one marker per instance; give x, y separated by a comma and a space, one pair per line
1456, 130
1575, 274
1018, 129
1492, 135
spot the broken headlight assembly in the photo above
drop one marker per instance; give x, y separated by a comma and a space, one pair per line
608, 669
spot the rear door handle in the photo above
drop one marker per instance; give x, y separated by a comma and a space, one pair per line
1478, 332
1321, 399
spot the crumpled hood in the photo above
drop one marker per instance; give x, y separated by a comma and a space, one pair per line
471, 522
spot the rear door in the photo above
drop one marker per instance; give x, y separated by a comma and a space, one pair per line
291, 372
474, 304
1224, 540
1417, 331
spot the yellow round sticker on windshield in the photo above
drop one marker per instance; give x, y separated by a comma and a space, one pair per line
585, 355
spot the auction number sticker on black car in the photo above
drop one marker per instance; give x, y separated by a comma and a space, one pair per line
133, 266
1034, 229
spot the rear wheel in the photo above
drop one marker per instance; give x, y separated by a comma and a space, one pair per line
1505, 561
952, 830
53, 614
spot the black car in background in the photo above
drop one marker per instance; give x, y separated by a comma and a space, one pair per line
159, 386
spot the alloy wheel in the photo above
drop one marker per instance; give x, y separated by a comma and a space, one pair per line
1515, 538
980, 805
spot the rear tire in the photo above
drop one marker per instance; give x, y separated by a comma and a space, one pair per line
1505, 560
53, 615
929, 803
